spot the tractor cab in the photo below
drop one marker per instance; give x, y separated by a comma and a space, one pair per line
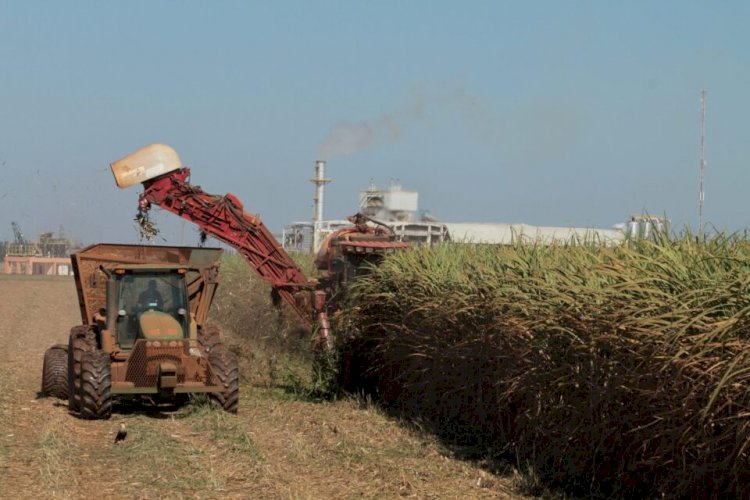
151, 304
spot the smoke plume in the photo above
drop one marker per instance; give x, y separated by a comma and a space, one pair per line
347, 138
522, 134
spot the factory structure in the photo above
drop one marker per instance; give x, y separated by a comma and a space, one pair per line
48, 255
398, 208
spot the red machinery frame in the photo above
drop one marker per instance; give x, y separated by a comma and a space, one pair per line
224, 218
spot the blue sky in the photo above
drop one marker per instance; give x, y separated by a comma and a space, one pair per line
548, 113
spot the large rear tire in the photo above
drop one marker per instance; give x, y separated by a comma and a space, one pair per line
226, 374
82, 339
55, 372
96, 385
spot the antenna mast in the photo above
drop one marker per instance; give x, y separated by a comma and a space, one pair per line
701, 194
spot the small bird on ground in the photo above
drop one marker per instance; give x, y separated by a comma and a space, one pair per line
122, 433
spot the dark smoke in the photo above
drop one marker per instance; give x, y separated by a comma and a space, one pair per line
347, 138
522, 134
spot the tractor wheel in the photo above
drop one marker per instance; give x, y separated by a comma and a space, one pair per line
226, 374
55, 372
96, 385
82, 339
209, 336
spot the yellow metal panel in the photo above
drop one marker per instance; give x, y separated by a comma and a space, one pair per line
145, 164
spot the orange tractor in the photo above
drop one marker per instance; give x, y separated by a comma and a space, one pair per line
144, 331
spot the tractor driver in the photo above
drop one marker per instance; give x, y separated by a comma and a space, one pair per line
150, 298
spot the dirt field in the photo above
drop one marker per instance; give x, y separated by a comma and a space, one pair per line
276, 447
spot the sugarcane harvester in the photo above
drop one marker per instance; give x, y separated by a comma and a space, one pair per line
166, 184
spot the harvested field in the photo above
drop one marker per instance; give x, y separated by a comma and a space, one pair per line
279, 445
609, 372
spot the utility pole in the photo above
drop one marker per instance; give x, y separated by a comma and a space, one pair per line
701, 194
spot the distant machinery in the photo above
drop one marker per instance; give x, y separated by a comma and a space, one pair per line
20, 245
17, 233
644, 226
54, 246
48, 245
47, 256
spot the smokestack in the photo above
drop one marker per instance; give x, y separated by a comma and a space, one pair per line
318, 201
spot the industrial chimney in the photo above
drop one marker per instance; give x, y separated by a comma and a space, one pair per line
320, 181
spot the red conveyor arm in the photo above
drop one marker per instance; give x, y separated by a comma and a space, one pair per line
224, 218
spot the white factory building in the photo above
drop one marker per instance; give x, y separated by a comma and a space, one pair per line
398, 208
